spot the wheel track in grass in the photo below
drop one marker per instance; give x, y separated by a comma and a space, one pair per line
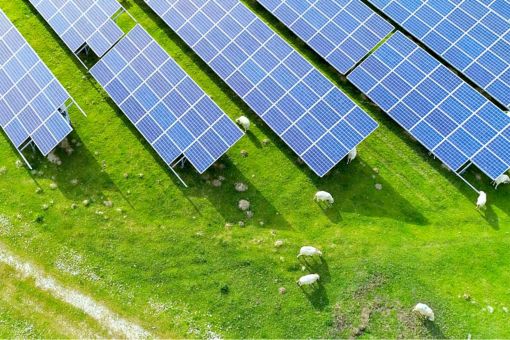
114, 323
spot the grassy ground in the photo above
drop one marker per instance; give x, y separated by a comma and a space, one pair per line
163, 258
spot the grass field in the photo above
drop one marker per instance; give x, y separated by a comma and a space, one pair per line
162, 257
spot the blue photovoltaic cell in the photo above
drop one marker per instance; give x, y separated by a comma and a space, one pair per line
316, 120
82, 22
472, 35
168, 108
449, 117
30, 95
342, 32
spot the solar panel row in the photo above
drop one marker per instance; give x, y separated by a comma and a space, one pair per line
30, 96
82, 22
318, 121
168, 108
450, 118
472, 36
502, 7
342, 32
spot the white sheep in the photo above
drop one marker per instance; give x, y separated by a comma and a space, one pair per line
323, 196
352, 155
307, 280
244, 122
481, 201
502, 179
309, 251
424, 310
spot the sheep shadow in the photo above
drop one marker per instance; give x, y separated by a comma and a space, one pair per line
434, 330
316, 295
490, 216
317, 265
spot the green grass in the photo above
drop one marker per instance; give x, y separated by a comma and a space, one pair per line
167, 261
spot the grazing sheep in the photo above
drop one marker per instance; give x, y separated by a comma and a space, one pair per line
307, 280
352, 155
309, 251
481, 201
503, 179
323, 196
424, 310
244, 122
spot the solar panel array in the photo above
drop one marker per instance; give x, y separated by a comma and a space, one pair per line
468, 34
449, 117
502, 7
317, 121
168, 108
342, 32
82, 22
30, 95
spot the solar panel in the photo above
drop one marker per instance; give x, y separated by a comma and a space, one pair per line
30, 96
82, 22
445, 114
342, 32
468, 34
502, 7
317, 121
168, 108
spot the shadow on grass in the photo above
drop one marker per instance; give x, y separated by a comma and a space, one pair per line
434, 330
93, 181
317, 265
317, 296
354, 191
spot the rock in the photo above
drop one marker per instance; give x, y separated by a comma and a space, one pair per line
126, 175
108, 204
45, 207
278, 243
466, 297
18, 163
249, 214
206, 176
140, 175
244, 205
300, 161
74, 206
505, 309
216, 183
228, 225
38, 190
261, 223
490, 309
241, 187
241, 224
244, 153
74, 181
86, 203
378, 186
221, 178
53, 185
265, 142
282, 290
478, 177
376, 170
3, 170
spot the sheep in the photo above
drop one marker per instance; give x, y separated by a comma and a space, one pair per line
481, 201
309, 251
502, 179
424, 310
352, 155
323, 196
244, 122
308, 280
